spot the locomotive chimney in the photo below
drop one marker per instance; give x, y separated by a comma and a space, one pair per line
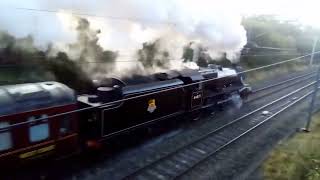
108, 94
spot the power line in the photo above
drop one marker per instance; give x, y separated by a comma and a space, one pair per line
76, 62
113, 62
132, 20
278, 63
127, 61
262, 55
269, 48
96, 16
87, 62
148, 94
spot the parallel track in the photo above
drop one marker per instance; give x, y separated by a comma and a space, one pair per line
151, 170
235, 139
280, 86
284, 82
185, 158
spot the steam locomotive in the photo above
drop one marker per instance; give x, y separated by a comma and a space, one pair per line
113, 106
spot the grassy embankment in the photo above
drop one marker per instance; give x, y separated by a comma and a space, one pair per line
274, 71
298, 158
36, 73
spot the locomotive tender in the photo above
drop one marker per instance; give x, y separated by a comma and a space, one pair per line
115, 106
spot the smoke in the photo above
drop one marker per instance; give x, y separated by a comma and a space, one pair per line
128, 27
88, 51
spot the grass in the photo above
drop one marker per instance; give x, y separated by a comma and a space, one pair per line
298, 158
35, 74
273, 72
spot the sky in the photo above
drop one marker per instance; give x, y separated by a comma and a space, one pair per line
216, 23
306, 11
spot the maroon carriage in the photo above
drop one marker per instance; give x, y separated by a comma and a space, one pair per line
26, 131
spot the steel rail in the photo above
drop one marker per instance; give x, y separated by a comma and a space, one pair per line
282, 82
139, 170
105, 104
151, 93
290, 84
241, 135
129, 128
148, 94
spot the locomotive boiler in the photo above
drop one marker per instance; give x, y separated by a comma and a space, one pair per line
125, 104
34, 118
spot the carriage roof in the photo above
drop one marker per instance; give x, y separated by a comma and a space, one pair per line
32, 96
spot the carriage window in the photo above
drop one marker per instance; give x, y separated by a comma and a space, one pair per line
38, 131
5, 137
65, 124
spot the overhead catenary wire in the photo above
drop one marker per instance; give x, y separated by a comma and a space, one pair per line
8, 65
270, 48
210, 154
217, 130
136, 19
267, 55
131, 19
147, 94
84, 62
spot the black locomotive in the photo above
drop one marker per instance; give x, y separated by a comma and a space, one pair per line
157, 97
113, 106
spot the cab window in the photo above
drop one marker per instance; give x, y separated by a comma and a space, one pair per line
5, 137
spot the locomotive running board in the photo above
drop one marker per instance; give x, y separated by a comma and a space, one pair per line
108, 136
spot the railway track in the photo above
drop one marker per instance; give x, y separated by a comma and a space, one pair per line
299, 77
134, 161
280, 86
186, 158
152, 170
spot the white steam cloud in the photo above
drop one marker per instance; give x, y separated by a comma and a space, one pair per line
126, 24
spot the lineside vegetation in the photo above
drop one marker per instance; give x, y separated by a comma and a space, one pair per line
298, 158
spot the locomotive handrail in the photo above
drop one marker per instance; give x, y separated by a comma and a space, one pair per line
218, 129
178, 176
151, 86
150, 122
152, 93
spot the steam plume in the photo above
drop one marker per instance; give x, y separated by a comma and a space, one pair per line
171, 24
